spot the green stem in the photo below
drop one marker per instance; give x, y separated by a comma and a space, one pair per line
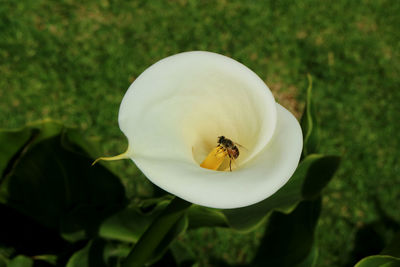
152, 237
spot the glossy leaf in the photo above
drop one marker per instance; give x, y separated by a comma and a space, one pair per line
379, 261
179, 227
309, 123
182, 254
50, 259
129, 224
27, 236
81, 257
15, 142
393, 248
206, 217
178, 255
380, 236
115, 252
10, 143
289, 238
161, 232
99, 253
311, 259
318, 175
3, 261
53, 183
20, 261
300, 186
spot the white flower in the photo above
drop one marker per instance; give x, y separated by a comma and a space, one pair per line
174, 112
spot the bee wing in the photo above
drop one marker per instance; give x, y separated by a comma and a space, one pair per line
240, 145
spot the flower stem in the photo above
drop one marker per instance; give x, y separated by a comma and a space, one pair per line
152, 237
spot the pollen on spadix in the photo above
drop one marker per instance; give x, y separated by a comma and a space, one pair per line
214, 159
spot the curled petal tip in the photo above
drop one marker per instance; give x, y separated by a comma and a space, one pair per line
117, 157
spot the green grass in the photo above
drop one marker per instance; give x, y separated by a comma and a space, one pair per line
73, 61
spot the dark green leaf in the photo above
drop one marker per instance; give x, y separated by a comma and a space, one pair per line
178, 255
288, 239
166, 260
130, 223
309, 123
115, 252
160, 234
72, 140
50, 259
3, 261
205, 217
57, 186
318, 175
182, 254
80, 258
27, 236
393, 248
20, 261
14, 143
311, 259
380, 236
179, 227
379, 261
10, 143
99, 253
307, 173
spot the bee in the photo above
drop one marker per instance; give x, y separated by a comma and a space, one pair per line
229, 147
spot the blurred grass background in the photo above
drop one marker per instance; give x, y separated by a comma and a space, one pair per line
73, 60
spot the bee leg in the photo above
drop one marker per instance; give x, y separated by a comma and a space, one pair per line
232, 161
220, 150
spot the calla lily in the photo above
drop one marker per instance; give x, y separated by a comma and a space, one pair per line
174, 112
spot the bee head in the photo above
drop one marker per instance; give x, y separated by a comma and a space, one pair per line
221, 138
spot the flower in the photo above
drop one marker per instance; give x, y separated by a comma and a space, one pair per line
174, 112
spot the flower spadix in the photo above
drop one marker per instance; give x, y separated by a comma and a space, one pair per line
174, 112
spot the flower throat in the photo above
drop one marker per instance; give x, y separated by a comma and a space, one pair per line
225, 148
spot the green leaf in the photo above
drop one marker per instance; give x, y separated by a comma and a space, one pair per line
183, 256
115, 252
311, 259
309, 123
20, 261
3, 261
10, 143
15, 142
380, 236
51, 259
72, 140
161, 232
393, 248
99, 253
54, 183
179, 227
81, 257
129, 224
318, 175
178, 255
289, 238
305, 183
379, 261
26, 235
200, 216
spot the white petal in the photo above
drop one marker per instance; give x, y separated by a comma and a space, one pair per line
258, 179
176, 109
